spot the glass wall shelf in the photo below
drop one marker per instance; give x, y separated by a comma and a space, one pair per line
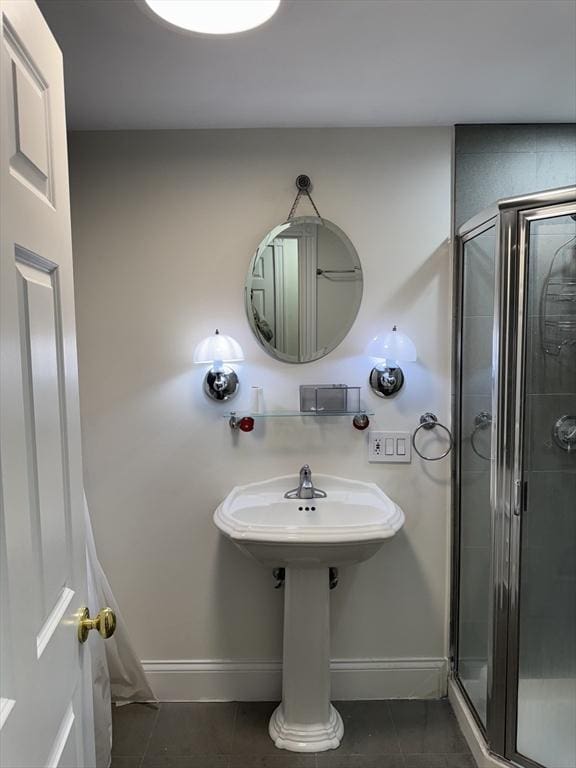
245, 420
285, 414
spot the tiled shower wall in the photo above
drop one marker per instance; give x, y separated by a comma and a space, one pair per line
495, 161
491, 162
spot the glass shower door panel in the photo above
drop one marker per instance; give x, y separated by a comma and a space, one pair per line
474, 457
546, 716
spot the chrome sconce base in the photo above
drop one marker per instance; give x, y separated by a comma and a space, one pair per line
222, 384
386, 380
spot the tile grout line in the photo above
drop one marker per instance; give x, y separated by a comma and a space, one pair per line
149, 739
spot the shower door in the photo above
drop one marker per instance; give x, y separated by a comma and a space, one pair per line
473, 435
542, 646
514, 577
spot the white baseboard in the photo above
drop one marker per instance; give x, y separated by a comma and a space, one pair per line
471, 731
253, 680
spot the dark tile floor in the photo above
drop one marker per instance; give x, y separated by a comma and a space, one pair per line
377, 734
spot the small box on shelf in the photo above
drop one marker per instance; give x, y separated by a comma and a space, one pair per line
329, 398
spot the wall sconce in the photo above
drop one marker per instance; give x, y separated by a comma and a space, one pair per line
387, 378
221, 382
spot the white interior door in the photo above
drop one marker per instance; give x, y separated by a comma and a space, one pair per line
287, 296
307, 238
45, 708
263, 289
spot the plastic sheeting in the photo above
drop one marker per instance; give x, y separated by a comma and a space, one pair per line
117, 674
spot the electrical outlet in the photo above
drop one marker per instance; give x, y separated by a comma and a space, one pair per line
375, 445
392, 447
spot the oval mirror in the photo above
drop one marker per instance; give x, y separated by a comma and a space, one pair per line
303, 289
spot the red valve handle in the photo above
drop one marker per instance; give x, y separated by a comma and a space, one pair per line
361, 421
246, 424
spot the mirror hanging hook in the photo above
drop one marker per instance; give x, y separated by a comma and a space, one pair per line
303, 185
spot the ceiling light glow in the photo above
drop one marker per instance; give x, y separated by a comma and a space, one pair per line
214, 17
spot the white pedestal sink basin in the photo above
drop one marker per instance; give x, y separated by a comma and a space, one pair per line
306, 537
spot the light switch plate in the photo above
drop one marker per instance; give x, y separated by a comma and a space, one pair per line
395, 447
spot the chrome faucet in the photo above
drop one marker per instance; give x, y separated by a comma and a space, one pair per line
305, 488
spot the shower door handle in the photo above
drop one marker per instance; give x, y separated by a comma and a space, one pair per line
520, 496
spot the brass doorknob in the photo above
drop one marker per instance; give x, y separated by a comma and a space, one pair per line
104, 622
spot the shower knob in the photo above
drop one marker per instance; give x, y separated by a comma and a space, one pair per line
564, 433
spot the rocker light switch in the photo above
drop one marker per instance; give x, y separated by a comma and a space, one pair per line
394, 447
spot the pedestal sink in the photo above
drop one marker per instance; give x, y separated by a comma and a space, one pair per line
307, 537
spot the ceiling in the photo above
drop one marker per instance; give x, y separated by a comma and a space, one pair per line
322, 63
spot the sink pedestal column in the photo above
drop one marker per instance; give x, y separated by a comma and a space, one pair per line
306, 721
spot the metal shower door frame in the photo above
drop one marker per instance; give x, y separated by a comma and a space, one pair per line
512, 218
563, 205
475, 227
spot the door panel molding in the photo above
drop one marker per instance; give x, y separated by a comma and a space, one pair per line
30, 134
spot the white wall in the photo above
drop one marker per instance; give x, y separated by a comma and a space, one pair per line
164, 226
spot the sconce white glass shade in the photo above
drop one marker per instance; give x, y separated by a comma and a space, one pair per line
214, 17
393, 346
218, 348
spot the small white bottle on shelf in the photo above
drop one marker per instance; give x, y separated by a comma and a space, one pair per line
256, 400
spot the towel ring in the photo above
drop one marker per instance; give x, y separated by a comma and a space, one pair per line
430, 421
481, 421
